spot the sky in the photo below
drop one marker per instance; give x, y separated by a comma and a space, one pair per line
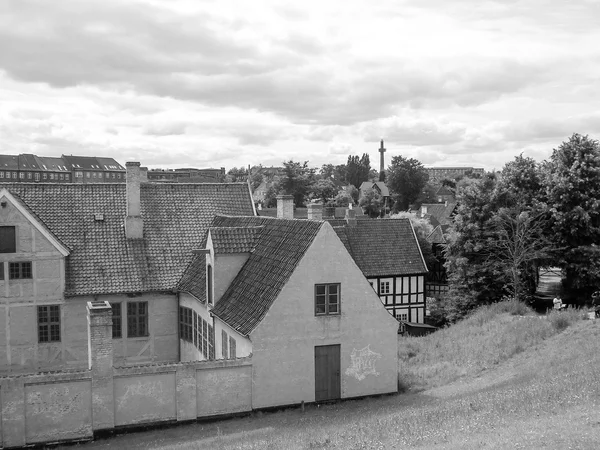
228, 83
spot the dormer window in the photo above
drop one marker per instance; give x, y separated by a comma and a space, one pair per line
209, 284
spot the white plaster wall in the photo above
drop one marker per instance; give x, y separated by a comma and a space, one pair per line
283, 343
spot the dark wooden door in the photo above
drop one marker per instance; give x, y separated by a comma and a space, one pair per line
327, 372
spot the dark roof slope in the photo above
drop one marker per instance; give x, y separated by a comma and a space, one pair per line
442, 212
234, 239
9, 162
383, 247
193, 280
437, 236
102, 260
279, 248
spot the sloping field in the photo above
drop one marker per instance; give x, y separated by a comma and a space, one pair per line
541, 393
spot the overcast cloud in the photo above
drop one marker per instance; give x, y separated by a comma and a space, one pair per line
178, 83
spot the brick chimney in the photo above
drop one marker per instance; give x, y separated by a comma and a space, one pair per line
134, 226
423, 210
285, 207
143, 174
100, 356
350, 217
315, 211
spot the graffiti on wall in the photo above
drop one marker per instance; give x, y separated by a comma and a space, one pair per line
56, 401
362, 363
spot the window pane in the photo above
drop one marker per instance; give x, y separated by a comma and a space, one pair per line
320, 289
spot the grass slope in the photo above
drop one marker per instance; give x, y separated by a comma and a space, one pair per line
495, 380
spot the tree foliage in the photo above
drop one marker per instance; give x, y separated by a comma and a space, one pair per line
372, 203
357, 170
572, 189
296, 180
406, 178
323, 190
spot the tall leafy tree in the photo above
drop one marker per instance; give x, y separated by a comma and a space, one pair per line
472, 277
406, 177
296, 180
323, 189
572, 188
358, 169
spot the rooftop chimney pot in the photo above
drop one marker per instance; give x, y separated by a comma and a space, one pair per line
315, 211
285, 206
134, 227
351, 217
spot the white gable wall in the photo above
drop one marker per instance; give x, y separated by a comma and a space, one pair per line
284, 342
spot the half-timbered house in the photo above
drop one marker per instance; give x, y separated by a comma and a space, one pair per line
388, 254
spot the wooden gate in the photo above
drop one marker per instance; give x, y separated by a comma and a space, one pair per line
327, 372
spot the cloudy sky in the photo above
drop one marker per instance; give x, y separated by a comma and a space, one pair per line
206, 83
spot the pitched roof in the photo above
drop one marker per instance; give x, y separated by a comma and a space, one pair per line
383, 247
443, 190
279, 247
437, 236
234, 239
102, 260
193, 280
380, 185
9, 162
441, 211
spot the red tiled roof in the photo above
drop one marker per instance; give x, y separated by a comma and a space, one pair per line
383, 247
234, 239
279, 248
441, 211
102, 260
193, 280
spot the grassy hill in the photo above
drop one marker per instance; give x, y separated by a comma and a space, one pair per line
504, 378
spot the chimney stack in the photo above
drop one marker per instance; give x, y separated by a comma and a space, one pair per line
315, 211
350, 217
381, 164
423, 210
143, 174
285, 206
134, 227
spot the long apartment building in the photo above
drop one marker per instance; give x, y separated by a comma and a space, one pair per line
186, 174
439, 173
64, 169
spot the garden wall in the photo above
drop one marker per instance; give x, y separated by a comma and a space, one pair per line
61, 406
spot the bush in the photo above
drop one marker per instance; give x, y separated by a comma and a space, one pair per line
561, 320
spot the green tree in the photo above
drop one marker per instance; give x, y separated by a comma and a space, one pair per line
572, 188
473, 278
323, 189
357, 170
372, 203
406, 178
236, 175
296, 180
519, 241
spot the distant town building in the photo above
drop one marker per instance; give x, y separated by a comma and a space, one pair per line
439, 173
64, 169
185, 174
